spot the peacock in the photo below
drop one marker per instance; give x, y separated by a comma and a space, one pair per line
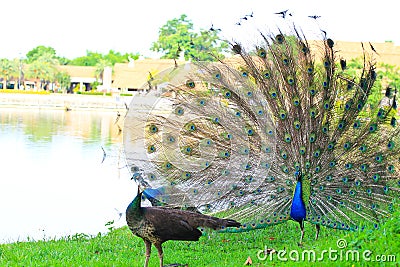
281, 130
156, 225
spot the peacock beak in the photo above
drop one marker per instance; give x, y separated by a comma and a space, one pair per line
298, 175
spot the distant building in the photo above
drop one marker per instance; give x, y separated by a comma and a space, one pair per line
136, 75
83, 76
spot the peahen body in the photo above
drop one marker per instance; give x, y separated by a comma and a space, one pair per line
155, 225
282, 131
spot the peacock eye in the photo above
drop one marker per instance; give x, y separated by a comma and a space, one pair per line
262, 53
282, 114
280, 38
153, 128
290, 80
227, 94
296, 101
350, 85
390, 145
381, 113
297, 124
151, 149
372, 128
266, 74
190, 84
179, 111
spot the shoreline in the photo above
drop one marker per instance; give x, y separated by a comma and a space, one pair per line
66, 102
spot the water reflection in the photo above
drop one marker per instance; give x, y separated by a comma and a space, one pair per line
52, 181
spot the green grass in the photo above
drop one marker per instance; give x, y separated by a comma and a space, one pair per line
120, 248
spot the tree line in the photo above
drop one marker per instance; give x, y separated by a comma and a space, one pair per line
177, 38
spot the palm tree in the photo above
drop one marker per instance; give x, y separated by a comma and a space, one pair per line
44, 69
8, 69
63, 79
100, 66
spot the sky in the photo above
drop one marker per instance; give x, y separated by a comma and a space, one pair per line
73, 27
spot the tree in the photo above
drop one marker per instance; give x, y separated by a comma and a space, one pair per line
90, 59
63, 79
39, 51
8, 69
44, 68
94, 58
100, 68
177, 36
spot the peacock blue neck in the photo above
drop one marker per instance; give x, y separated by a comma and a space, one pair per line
298, 209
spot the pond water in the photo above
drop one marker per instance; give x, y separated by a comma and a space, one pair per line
53, 182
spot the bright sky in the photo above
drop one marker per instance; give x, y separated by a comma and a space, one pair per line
72, 27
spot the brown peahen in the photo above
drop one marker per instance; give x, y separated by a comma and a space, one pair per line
281, 130
155, 225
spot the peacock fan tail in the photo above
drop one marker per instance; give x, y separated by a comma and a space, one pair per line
281, 132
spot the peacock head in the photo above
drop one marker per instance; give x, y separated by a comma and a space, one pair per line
298, 175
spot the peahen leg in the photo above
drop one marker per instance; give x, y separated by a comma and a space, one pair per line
160, 252
302, 231
317, 228
148, 252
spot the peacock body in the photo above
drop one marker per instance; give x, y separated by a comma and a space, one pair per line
281, 132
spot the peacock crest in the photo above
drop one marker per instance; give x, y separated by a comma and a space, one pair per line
281, 131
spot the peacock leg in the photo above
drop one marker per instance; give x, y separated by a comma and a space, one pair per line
317, 228
148, 252
160, 252
302, 231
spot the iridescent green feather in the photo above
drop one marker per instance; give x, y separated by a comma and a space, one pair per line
236, 133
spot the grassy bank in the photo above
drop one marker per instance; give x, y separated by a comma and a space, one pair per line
120, 248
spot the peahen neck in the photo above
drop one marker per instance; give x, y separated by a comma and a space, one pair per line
134, 210
298, 208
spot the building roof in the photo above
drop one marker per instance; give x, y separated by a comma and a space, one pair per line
135, 74
388, 53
